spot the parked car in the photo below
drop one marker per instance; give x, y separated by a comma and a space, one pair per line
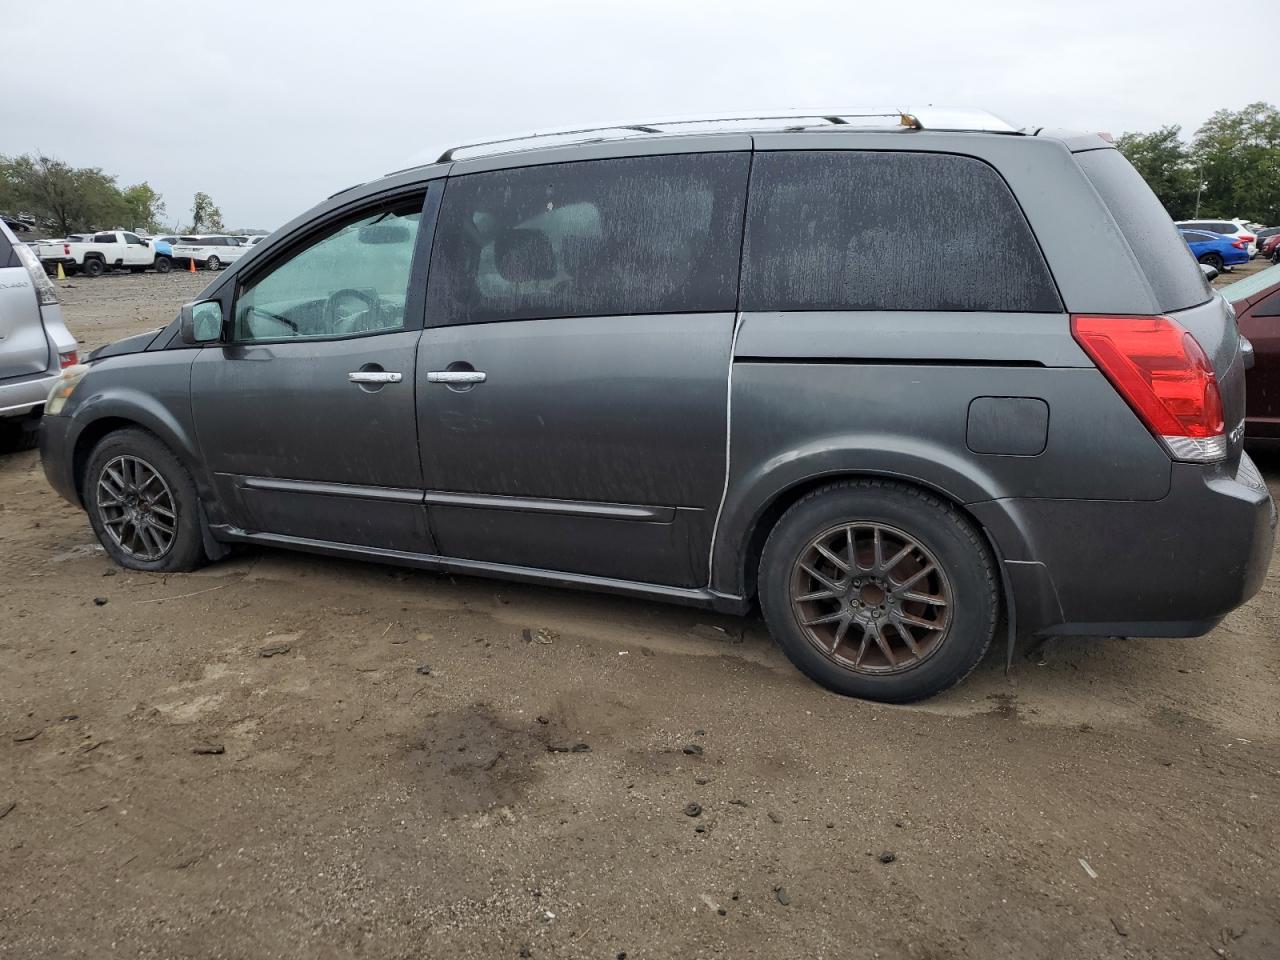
1265, 234
35, 345
1270, 247
1214, 249
1256, 301
212, 253
619, 364
95, 254
1236, 229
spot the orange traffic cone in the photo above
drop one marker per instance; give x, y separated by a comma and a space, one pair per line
62, 275
191, 266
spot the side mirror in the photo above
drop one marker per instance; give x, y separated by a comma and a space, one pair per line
200, 322
1209, 272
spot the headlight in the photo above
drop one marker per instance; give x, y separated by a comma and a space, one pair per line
63, 389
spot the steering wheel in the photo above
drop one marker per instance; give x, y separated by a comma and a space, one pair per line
350, 311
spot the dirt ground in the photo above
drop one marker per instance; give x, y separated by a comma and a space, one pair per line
405, 780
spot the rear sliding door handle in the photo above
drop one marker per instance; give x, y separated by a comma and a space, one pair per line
373, 376
455, 376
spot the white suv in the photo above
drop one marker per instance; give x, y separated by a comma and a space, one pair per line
213, 252
1236, 229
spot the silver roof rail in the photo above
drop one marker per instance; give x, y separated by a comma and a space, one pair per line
923, 118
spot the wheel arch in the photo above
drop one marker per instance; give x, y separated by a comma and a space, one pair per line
107, 417
782, 500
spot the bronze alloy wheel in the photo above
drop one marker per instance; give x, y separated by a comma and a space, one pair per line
137, 508
870, 598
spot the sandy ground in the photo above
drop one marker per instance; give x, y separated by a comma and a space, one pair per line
403, 782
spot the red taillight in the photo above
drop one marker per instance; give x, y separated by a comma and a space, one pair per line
67, 359
1238, 244
66, 249
1163, 374
1247, 237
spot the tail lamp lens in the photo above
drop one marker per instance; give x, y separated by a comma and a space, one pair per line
1163, 374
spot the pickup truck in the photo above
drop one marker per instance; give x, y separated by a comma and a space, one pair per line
101, 252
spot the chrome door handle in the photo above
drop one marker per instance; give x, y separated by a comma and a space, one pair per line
373, 376
456, 376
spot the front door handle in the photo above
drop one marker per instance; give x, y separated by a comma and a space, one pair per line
456, 376
373, 376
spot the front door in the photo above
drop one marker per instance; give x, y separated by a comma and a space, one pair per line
305, 414
572, 384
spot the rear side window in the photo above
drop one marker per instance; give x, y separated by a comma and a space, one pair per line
1171, 270
594, 238
105, 238
888, 231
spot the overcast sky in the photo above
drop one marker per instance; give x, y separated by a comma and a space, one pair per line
271, 105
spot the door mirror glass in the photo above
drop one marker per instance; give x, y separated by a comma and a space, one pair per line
201, 322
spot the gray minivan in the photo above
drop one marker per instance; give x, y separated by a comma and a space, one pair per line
898, 379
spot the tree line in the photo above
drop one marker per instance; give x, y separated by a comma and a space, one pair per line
1229, 169
67, 199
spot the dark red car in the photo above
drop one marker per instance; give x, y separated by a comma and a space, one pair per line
1256, 300
1270, 247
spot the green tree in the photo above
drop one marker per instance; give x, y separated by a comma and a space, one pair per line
1165, 163
67, 198
145, 206
1239, 152
204, 215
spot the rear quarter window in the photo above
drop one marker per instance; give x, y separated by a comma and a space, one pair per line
864, 230
1171, 270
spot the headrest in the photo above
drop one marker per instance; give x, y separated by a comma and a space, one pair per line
522, 255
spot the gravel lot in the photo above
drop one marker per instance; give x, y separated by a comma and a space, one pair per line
404, 779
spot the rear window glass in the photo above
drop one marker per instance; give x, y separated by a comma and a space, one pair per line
848, 230
1175, 278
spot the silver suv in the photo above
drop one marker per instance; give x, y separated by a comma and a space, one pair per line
896, 385
35, 345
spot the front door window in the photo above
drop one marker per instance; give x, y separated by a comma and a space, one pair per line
350, 282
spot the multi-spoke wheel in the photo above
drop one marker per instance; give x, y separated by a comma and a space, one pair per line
879, 590
871, 597
142, 503
137, 507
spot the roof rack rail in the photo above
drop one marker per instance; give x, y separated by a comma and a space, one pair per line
926, 118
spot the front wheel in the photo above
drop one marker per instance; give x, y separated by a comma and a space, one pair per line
879, 590
142, 503
163, 265
213, 263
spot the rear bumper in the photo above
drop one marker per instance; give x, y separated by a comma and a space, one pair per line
23, 395
1171, 567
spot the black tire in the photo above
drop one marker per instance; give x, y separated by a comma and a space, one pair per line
947, 543
163, 264
1212, 260
93, 267
213, 263
18, 434
186, 548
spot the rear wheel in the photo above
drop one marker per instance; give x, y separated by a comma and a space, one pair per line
1212, 259
142, 503
213, 263
879, 590
93, 267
